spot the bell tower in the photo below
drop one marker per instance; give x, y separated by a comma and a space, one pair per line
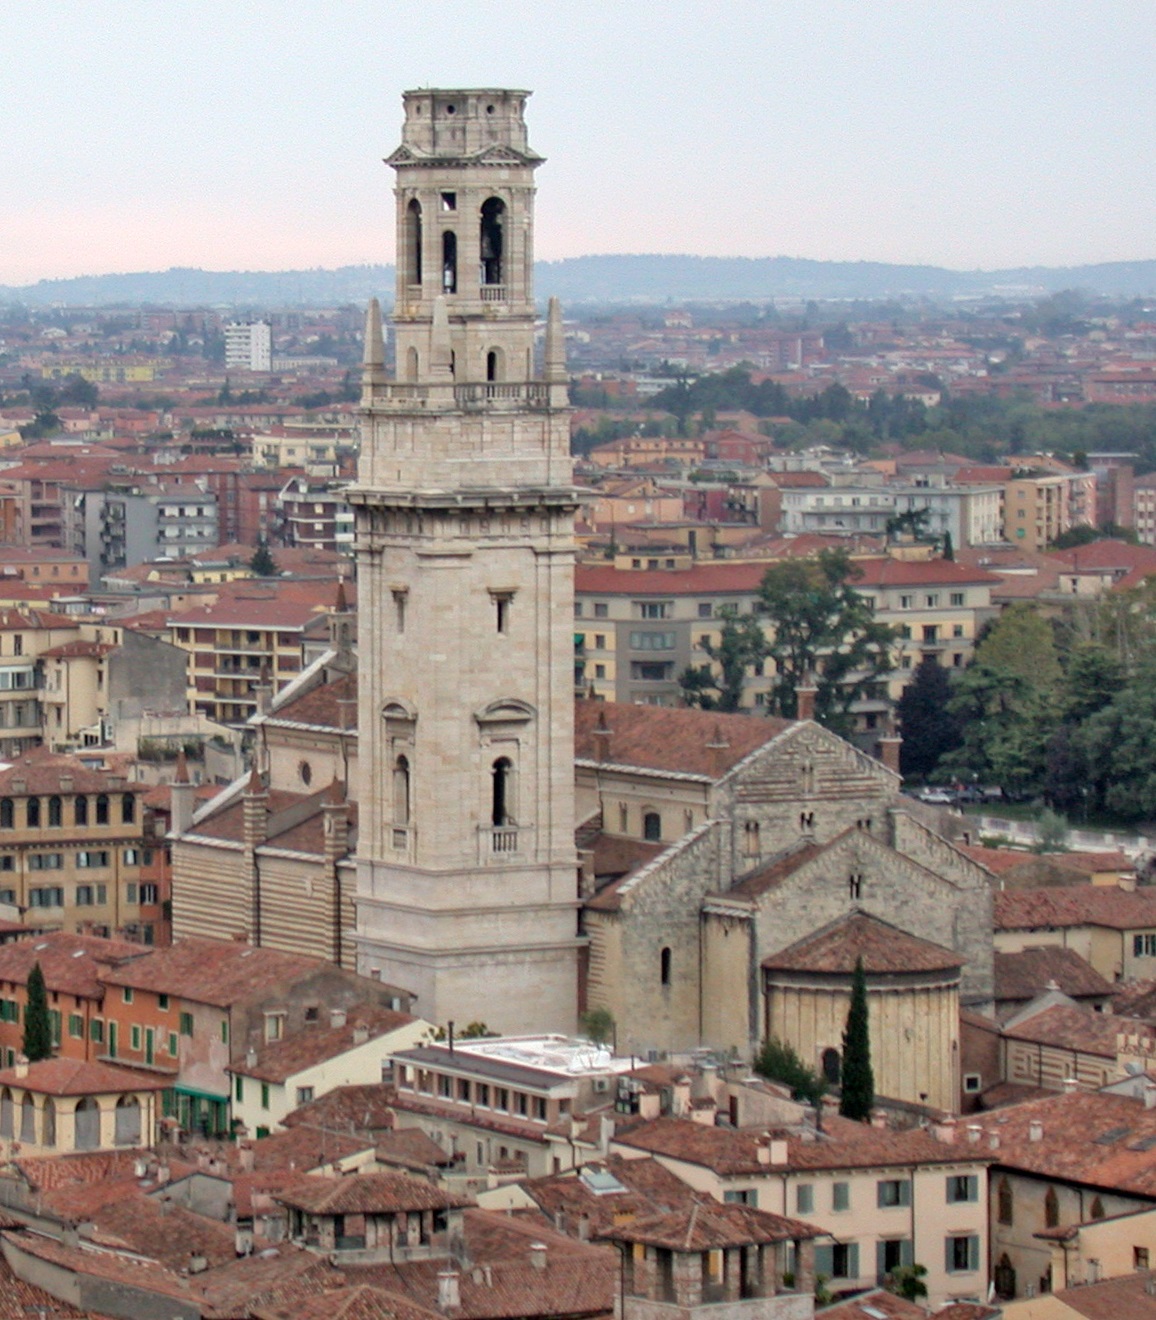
464, 507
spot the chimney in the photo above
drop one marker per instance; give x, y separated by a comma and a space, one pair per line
993, 1141
197, 1263
21, 1068
245, 1156
360, 1034
449, 1291
250, 1057
584, 1227
1035, 1130
889, 748
66, 783
337, 1017
763, 1151
779, 1151
974, 1132
183, 797
945, 1131
805, 697
1071, 1084
538, 1255
255, 811
602, 738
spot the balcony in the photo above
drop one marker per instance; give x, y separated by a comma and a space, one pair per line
502, 842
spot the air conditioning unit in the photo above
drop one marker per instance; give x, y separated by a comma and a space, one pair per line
601, 1085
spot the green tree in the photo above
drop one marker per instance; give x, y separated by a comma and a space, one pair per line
263, 563
1052, 832
948, 547
598, 1024
907, 1281
742, 644
858, 1093
930, 730
822, 630
778, 1062
37, 1042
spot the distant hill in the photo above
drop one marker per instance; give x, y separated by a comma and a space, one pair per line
643, 279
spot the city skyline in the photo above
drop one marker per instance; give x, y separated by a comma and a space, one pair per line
250, 136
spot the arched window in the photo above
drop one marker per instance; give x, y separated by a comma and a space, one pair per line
1004, 1277
80, 810
502, 791
1051, 1209
127, 808
28, 1120
7, 815
128, 1121
6, 1113
832, 1066
664, 966
412, 365
855, 885
55, 812
1097, 1210
491, 239
87, 1124
102, 809
401, 791
751, 838
1006, 1211
449, 262
413, 242
495, 364
33, 810
48, 1122
652, 826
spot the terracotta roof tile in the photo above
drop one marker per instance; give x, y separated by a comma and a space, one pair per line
1088, 1137
72, 964
1023, 975
361, 1109
695, 742
41, 772
166, 1233
1125, 1298
884, 949
410, 1148
1073, 1027
706, 1224
219, 972
110, 1266
647, 1188
258, 1281
876, 1305
1074, 905
279, 1060
359, 1301
20, 1300
367, 1193
75, 1077
843, 1145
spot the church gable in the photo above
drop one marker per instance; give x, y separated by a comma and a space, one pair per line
858, 872
807, 761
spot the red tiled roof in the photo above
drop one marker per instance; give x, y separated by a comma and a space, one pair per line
1083, 1136
279, 1060
75, 1077
367, 1193
695, 742
219, 972
1026, 974
844, 1145
72, 964
41, 771
1074, 905
1072, 1027
883, 948
363, 1109
888, 572
707, 1224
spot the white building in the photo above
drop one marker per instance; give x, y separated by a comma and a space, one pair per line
249, 346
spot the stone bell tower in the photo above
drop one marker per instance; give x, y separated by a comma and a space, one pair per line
464, 506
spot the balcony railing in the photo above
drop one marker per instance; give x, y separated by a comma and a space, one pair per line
501, 841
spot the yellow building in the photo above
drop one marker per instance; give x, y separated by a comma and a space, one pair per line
1039, 506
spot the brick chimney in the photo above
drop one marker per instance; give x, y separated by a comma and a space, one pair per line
183, 797
255, 811
888, 751
805, 696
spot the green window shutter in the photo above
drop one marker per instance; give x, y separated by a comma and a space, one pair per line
264, 1095
224, 1031
949, 1255
174, 1047
238, 1088
186, 1024
853, 1260
880, 1259
905, 1192
825, 1260
973, 1252
906, 1252
804, 1198
841, 1196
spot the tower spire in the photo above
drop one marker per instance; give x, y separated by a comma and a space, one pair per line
373, 359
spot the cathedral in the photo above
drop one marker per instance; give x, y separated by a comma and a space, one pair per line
469, 831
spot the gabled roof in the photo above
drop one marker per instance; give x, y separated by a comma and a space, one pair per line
692, 742
75, 1077
1023, 975
707, 1224
1074, 905
71, 964
280, 1060
368, 1193
883, 948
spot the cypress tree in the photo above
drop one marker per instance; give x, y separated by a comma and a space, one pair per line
858, 1080
37, 1042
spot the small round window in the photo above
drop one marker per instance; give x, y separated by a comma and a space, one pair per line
451, 109
305, 770
489, 109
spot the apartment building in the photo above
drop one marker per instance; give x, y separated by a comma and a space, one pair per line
314, 515
246, 642
886, 1198
132, 522
1040, 505
73, 841
636, 631
970, 515
248, 346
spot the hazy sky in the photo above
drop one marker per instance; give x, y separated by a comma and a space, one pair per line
248, 134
